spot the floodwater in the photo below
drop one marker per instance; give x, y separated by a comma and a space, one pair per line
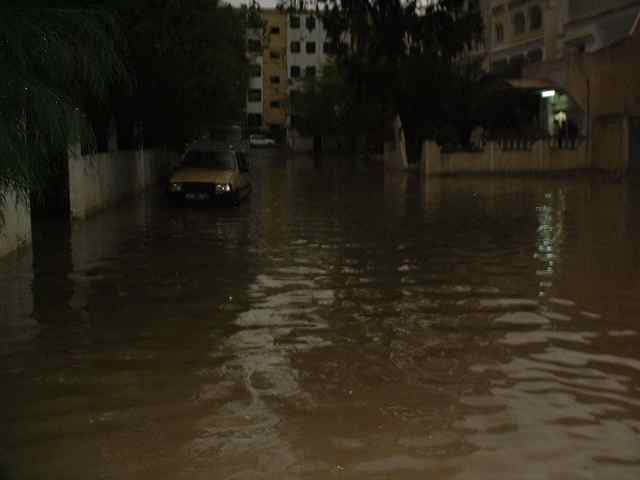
340, 324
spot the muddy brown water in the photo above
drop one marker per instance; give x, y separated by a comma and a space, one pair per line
340, 324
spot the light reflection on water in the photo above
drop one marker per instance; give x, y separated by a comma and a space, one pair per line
341, 323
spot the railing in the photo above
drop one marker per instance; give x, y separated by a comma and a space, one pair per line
518, 143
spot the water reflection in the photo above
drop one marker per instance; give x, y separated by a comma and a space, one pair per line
343, 323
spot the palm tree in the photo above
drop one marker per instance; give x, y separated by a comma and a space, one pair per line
52, 55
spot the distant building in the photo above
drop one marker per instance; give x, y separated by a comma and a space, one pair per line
582, 57
308, 47
255, 110
292, 46
274, 75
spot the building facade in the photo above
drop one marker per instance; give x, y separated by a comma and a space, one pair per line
582, 57
274, 75
308, 47
291, 47
255, 110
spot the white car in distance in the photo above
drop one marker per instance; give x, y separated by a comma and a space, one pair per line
257, 140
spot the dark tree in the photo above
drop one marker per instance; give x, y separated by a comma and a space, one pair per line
52, 54
404, 58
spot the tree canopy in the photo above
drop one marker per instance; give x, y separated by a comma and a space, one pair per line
190, 66
50, 53
173, 67
404, 57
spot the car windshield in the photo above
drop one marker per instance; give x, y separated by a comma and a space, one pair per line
217, 160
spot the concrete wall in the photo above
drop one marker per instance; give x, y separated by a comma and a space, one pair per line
493, 159
15, 223
102, 180
395, 151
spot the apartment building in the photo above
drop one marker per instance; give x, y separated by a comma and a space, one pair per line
308, 48
581, 56
274, 75
518, 33
292, 46
255, 110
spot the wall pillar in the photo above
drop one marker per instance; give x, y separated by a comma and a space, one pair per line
15, 222
395, 152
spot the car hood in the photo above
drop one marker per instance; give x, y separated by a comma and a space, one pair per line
204, 175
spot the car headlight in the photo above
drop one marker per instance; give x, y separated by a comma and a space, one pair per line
223, 188
175, 187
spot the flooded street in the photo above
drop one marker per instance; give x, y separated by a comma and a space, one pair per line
339, 324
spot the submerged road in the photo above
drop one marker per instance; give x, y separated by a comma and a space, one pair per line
340, 324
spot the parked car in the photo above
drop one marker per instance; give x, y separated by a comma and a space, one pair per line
257, 140
210, 172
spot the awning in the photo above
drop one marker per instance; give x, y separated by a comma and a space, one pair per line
533, 84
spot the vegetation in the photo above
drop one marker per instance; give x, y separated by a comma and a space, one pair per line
49, 56
407, 60
190, 67
168, 69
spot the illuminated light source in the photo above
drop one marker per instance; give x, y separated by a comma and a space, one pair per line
548, 93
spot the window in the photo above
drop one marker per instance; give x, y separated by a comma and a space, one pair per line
295, 71
295, 47
255, 95
275, 104
255, 70
328, 48
311, 47
254, 120
310, 71
535, 18
519, 23
274, 55
515, 65
275, 79
499, 33
254, 45
275, 30
500, 67
310, 23
294, 22
534, 56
